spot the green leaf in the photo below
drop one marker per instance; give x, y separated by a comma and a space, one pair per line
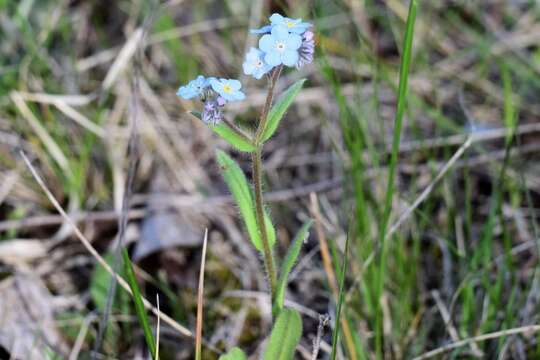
510, 118
280, 108
341, 297
242, 193
139, 305
234, 354
99, 286
238, 141
288, 263
285, 336
392, 169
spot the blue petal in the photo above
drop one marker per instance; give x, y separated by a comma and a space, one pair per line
290, 57
258, 74
272, 58
276, 19
186, 92
216, 85
227, 96
263, 30
235, 84
280, 32
252, 55
266, 43
248, 68
300, 28
293, 42
239, 95
267, 67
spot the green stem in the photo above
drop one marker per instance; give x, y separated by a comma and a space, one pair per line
257, 184
269, 97
259, 210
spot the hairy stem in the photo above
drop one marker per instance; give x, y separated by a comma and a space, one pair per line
259, 210
257, 184
269, 97
237, 130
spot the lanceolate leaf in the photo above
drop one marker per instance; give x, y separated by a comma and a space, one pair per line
285, 336
238, 141
238, 185
288, 263
234, 354
280, 108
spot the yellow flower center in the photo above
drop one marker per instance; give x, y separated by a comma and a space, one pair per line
227, 88
290, 24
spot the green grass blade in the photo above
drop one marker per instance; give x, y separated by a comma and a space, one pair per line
234, 354
280, 108
401, 105
285, 336
139, 305
242, 193
510, 117
239, 142
288, 263
335, 334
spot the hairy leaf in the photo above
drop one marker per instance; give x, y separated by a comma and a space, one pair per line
280, 108
285, 336
241, 191
288, 263
238, 141
234, 354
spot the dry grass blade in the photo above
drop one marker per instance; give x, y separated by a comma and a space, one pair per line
72, 100
79, 342
79, 118
171, 322
41, 132
125, 55
493, 335
200, 301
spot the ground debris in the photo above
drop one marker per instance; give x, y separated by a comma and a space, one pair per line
27, 327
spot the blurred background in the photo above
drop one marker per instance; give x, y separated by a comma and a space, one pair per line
462, 256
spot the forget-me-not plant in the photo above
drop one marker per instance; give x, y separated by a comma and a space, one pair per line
284, 42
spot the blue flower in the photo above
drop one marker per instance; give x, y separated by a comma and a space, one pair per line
194, 88
295, 26
280, 47
254, 64
228, 89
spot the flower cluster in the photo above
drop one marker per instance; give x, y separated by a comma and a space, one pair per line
214, 93
285, 41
